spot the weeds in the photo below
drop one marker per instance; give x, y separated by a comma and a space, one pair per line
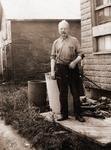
31, 125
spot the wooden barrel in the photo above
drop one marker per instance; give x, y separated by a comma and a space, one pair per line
37, 94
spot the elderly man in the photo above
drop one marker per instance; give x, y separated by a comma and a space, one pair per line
64, 60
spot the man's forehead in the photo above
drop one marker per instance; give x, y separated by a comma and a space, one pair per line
63, 24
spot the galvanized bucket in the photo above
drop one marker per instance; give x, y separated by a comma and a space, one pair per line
37, 94
53, 93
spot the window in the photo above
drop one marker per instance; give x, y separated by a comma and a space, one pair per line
103, 11
99, 2
102, 26
102, 2
104, 43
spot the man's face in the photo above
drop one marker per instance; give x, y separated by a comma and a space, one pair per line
63, 30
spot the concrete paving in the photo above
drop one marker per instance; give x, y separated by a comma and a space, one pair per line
96, 129
10, 140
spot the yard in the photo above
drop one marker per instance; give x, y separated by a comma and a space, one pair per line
28, 122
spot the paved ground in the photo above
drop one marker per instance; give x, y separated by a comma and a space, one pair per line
96, 129
10, 140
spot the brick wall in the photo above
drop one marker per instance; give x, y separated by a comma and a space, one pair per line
86, 27
96, 67
31, 46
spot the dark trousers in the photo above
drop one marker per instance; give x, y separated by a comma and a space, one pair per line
68, 78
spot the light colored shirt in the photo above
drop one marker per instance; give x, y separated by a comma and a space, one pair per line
65, 50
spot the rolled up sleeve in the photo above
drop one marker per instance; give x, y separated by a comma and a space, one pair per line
78, 51
53, 52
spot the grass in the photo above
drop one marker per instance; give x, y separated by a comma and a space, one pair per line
31, 125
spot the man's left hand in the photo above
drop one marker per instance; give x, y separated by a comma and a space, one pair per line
72, 65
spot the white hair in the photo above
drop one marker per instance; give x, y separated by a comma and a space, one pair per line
63, 22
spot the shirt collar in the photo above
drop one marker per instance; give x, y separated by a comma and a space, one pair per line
64, 39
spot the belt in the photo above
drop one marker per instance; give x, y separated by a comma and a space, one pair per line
58, 64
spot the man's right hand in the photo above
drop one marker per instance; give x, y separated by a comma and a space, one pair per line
53, 75
52, 69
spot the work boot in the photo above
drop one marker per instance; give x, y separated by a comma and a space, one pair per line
62, 118
80, 118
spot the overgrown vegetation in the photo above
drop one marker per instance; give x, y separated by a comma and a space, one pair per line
31, 125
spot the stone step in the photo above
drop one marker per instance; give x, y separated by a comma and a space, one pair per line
96, 130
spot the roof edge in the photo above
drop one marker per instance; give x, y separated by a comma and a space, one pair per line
43, 20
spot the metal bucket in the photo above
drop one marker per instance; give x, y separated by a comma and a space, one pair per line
53, 94
37, 94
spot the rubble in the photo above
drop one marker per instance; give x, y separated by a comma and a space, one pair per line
100, 108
